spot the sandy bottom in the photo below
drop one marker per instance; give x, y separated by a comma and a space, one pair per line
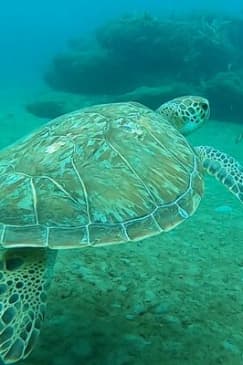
172, 300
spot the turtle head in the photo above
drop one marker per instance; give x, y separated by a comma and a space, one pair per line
186, 113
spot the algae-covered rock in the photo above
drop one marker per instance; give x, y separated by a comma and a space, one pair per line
130, 57
225, 92
46, 108
91, 72
139, 38
153, 97
129, 52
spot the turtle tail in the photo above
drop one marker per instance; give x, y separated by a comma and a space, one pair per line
24, 278
225, 168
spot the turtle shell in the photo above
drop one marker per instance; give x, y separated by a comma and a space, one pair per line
104, 174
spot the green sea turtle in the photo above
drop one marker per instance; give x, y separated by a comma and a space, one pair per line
101, 175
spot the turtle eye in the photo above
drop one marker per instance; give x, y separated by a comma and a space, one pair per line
13, 263
204, 106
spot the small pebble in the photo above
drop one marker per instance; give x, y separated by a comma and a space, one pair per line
224, 209
161, 309
229, 346
130, 317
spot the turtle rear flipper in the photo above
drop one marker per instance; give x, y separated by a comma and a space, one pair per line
24, 278
225, 168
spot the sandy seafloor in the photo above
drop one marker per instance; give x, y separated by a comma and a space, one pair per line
174, 299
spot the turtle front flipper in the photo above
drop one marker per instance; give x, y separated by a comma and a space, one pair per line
24, 278
225, 168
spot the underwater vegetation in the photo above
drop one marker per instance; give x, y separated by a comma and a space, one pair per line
203, 53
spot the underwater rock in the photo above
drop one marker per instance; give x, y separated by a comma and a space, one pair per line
225, 92
153, 97
235, 31
139, 38
92, 71
201, 52
46, 109
176, 45
129, 52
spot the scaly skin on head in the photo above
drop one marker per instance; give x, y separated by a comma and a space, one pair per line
186, 113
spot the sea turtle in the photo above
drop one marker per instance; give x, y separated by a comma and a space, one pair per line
104, 174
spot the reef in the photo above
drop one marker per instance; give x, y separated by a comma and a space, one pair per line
46, 108
203, 52
226, 92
